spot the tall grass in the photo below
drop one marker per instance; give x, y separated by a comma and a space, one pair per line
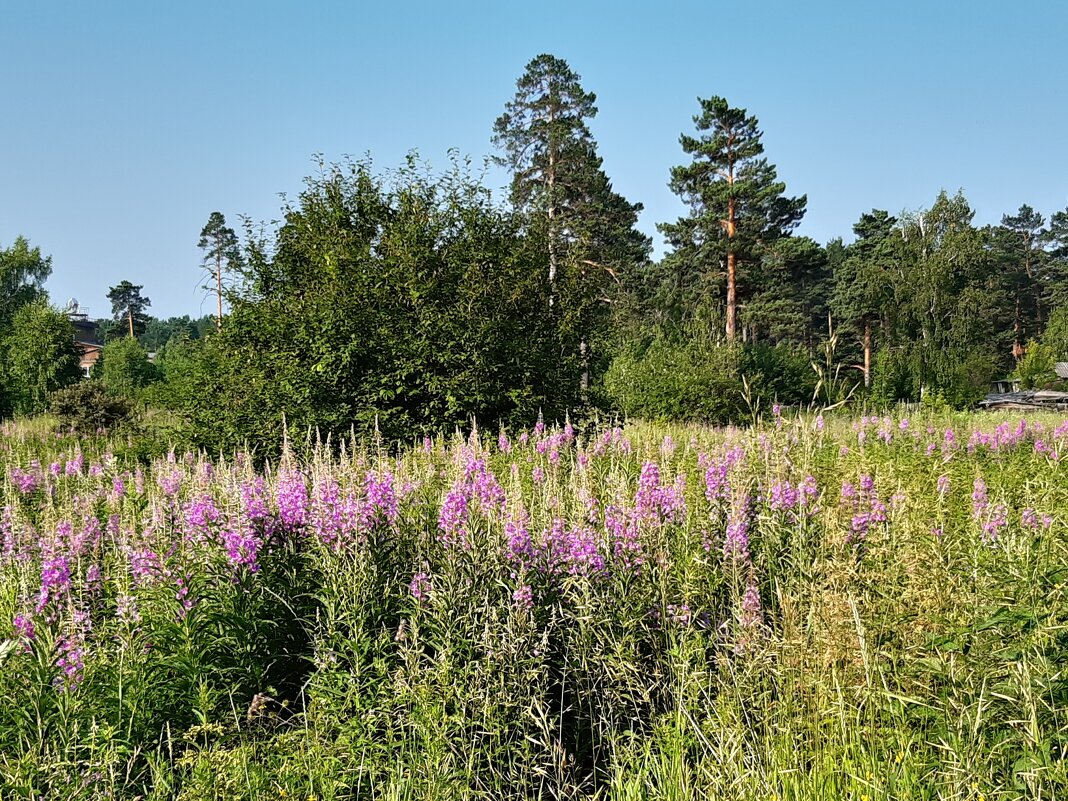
851, 608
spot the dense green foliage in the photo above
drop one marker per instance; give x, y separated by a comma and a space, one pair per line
813, 608
405, 305
406, 302
37, 357
88, 407
124, 368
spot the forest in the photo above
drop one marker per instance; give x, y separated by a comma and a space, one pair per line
409, 301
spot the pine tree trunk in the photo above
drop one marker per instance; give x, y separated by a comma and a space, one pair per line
867, 353
732, 267
218, 289
129, 316
1017, 330
550, 179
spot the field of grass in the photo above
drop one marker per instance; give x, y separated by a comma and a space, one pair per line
869, 608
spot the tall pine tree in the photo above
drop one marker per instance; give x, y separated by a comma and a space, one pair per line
220, 246
592, 245
737, 205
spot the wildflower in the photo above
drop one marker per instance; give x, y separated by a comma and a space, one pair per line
979, 498
419, 586
623, 535
524, 597
736, 543
242, 546
452, 519
292, 497
751, 608
943, 485
24, 626
1029, 518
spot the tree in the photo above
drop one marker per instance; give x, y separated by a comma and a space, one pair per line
128, 303
863, 279
220, 247
403, 307
737, 205
1055, 241
592, 244
23, 271
39, 356
1018, 242
124, 368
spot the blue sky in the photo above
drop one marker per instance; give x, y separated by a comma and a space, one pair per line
126, 124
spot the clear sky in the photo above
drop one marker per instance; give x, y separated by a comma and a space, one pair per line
125, 124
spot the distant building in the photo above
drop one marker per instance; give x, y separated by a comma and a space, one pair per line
1061, 369
86, 336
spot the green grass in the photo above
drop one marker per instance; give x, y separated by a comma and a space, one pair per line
887, 660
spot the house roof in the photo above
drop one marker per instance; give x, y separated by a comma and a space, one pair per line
1061, 369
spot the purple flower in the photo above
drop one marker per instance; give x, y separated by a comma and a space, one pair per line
25, 482
519, 548
292, 497
736, 543
242, 546
783, 496
524, 597
55, 581
1029, 518
943, 485
622, 530
452, 520
382, 505
995, 523
751, 609
419, 587
979, 498
24, 626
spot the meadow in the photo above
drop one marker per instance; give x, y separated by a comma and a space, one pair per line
850, 608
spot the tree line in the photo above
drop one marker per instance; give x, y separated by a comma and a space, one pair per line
408, 301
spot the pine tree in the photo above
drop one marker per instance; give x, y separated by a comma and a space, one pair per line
1018, 242
558, 183
220, 247
127, 303
863, 280
737, 205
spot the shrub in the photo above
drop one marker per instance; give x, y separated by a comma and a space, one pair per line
87, 407
124, 367
689, 381
1035, 369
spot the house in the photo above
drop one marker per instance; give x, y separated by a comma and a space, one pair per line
86, 336
1061, 369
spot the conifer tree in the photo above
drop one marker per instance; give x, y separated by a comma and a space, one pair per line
737, 204
592, 245
220, 246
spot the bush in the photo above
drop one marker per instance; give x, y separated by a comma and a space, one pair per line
688, 381
958, 378
1035, 369
124, 367
87, 407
